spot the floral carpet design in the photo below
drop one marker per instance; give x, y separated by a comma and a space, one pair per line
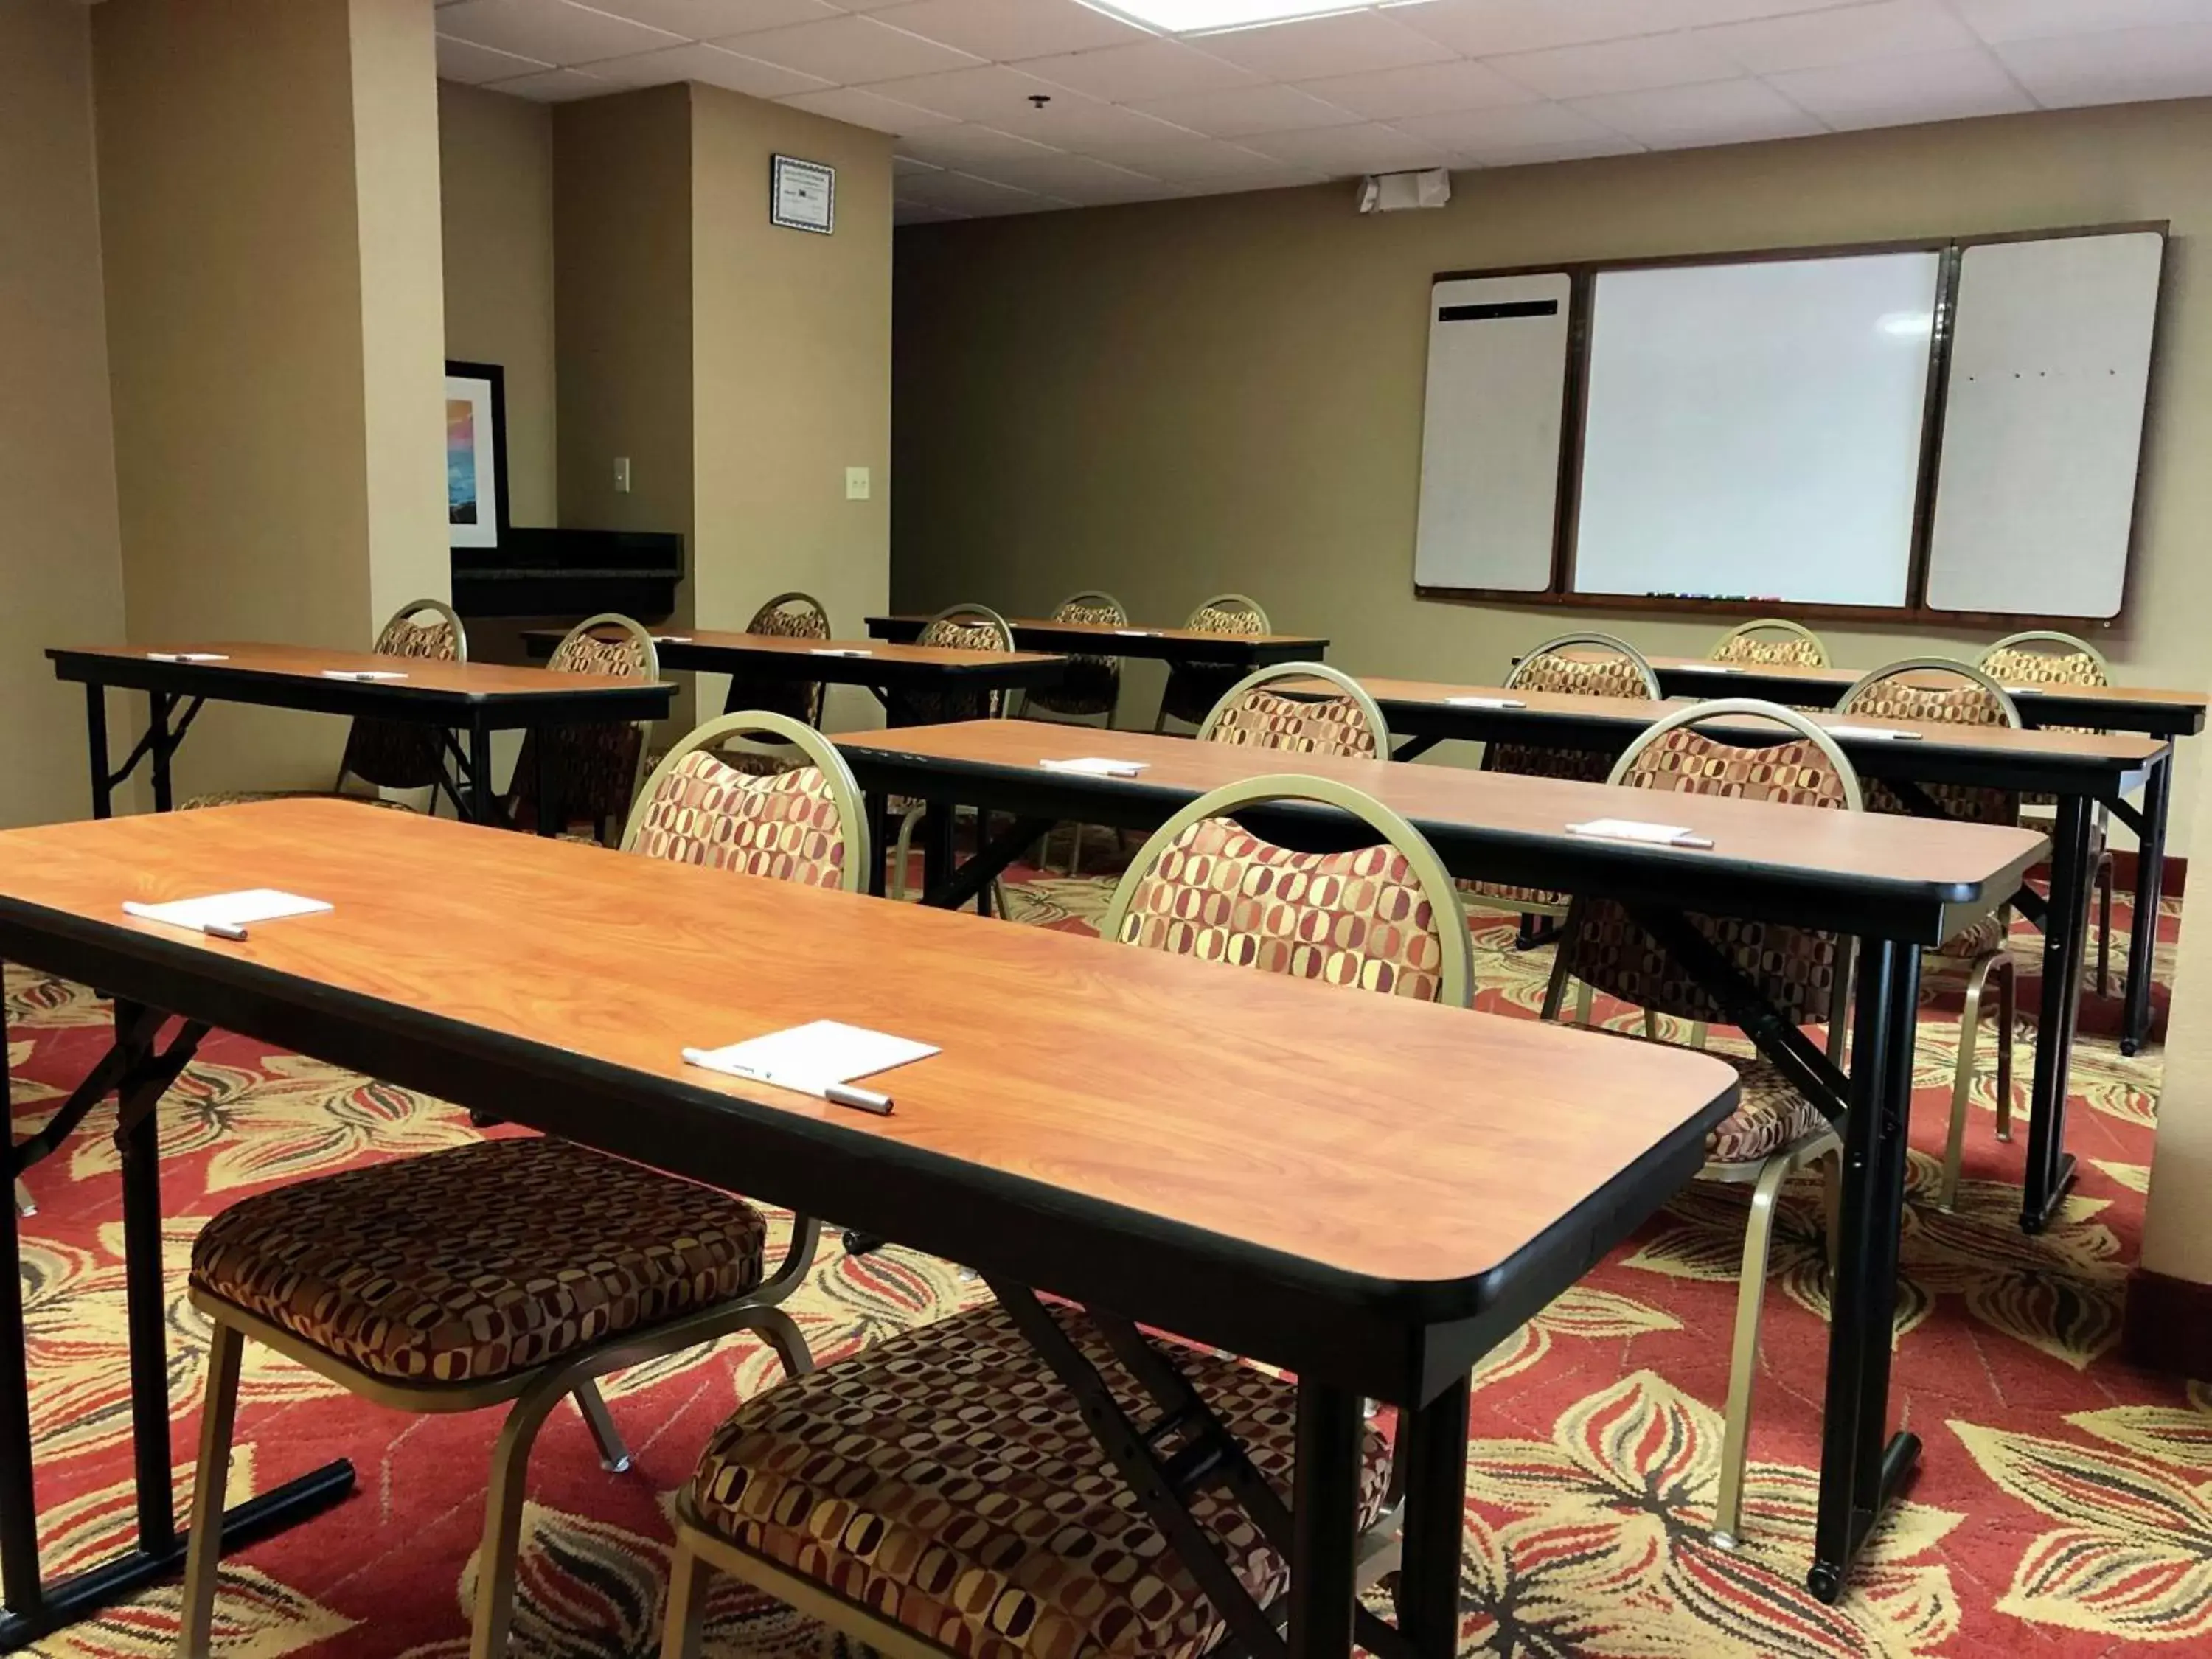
2064, 1507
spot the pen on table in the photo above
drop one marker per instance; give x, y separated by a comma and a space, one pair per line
229, 930
837, 1094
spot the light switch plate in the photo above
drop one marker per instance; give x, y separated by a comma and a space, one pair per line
856, 483
622, 475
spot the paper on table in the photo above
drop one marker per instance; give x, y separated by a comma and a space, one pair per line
811, 1057
1097, 766
2027, 691
237, 909
835, 651
1659, 834
362, 674
1708, 668
1882, 731
671, 639
1486, 703
186, 656
1138, 633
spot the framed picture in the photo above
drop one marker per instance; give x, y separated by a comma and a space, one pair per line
803, 196
476, 454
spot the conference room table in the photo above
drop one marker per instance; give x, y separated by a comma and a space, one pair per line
478, 698
1116, 1128
881, 668
1900, 885
2155, 712
2081, 770
1176, 647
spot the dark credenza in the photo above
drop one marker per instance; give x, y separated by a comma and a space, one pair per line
550, 572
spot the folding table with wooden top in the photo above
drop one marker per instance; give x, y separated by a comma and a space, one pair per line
1370, 1191
1176, 647
1900, 885
2081, 770
478, 698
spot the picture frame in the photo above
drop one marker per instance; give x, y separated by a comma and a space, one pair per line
476, 454
802, 195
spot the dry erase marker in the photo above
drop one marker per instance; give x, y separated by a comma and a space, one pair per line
229, 930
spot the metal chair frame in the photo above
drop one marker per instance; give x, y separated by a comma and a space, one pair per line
1558, 644
813, 693
1342, 685
1243, 602
1766, 624
903, 844
1050, 715
2074, 644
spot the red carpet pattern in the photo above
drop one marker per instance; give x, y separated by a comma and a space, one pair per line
2065, 1507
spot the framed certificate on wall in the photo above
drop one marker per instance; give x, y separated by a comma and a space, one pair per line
803, 195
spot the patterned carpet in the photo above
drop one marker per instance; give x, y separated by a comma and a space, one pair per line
2064, 1506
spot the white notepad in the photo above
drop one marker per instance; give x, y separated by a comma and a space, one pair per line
237, 909
1708, 668
1096, 766
370, 674
1657, 834
835, 651
186, 656
1138, 633
671, 639
809, 1058
1486, 703
1881, 732
2027, 690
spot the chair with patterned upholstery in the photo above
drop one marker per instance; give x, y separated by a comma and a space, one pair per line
1583, 664
1193, 688
387, 754
1939, 690
792, 616
1092, 685
2044, 656
957, 628
518, 1271
1805, 976
868, 1496
1302, 709
594, 767
1770, 640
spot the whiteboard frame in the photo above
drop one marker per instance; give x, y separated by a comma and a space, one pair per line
1561, 595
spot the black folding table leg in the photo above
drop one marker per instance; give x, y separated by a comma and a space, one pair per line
551, 813
481, 806
2142, 928
95, 739
18, 1505
145, 1315
1433, 1455
2050, 1171
1859, 1472
936, 844
1324, 1521
879, 841
158, 704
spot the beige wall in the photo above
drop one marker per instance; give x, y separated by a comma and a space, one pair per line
1170, 399
61, 567
250, 430
495, 159
792, 355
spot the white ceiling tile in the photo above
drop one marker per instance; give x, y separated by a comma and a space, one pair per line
866, 109
1283, 177
2124, 66
1342, 151
550, 31
1341, 45
1661, 60
713, 20
972, 198
1076, 179
1243, 110
559, 86
1567, 150
1150, 69
1937, 86
1007, 31
849, 51
1482, 29
904, 166
1497, 131
712, 66
964, 146
2031, 19
463, 60
1717, 112
1420, 89
1190, 160
1853, 34
983, 92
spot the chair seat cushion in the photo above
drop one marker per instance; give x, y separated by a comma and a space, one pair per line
1978, 939
241, 797
1497, 892
481, 1261
1770, 1114
944, 1482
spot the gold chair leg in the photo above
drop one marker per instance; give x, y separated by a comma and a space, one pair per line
25, 1204
2105, 925
1962, 1082
1555, 989
2009, 1022
204, 1560
1585, 1003
1743, 1362
614, 1455
901, 849
688, 1584
1650, 1026
502, 1535
1832, 1211
1700, 1034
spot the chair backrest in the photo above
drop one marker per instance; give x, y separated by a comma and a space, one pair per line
2044, 656
1092, 606
1300, 718
1383, 917
1963, 696
1755, 642
959, 628
1093, 683
609, 643
594, 764
792, 616
1796, 969
405, 754
1228, 613
1588, 665
805, 823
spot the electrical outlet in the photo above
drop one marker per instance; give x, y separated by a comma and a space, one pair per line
622, 475
856, 483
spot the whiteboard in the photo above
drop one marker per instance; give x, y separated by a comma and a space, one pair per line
1490, 433
1754, 431
2042, 422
